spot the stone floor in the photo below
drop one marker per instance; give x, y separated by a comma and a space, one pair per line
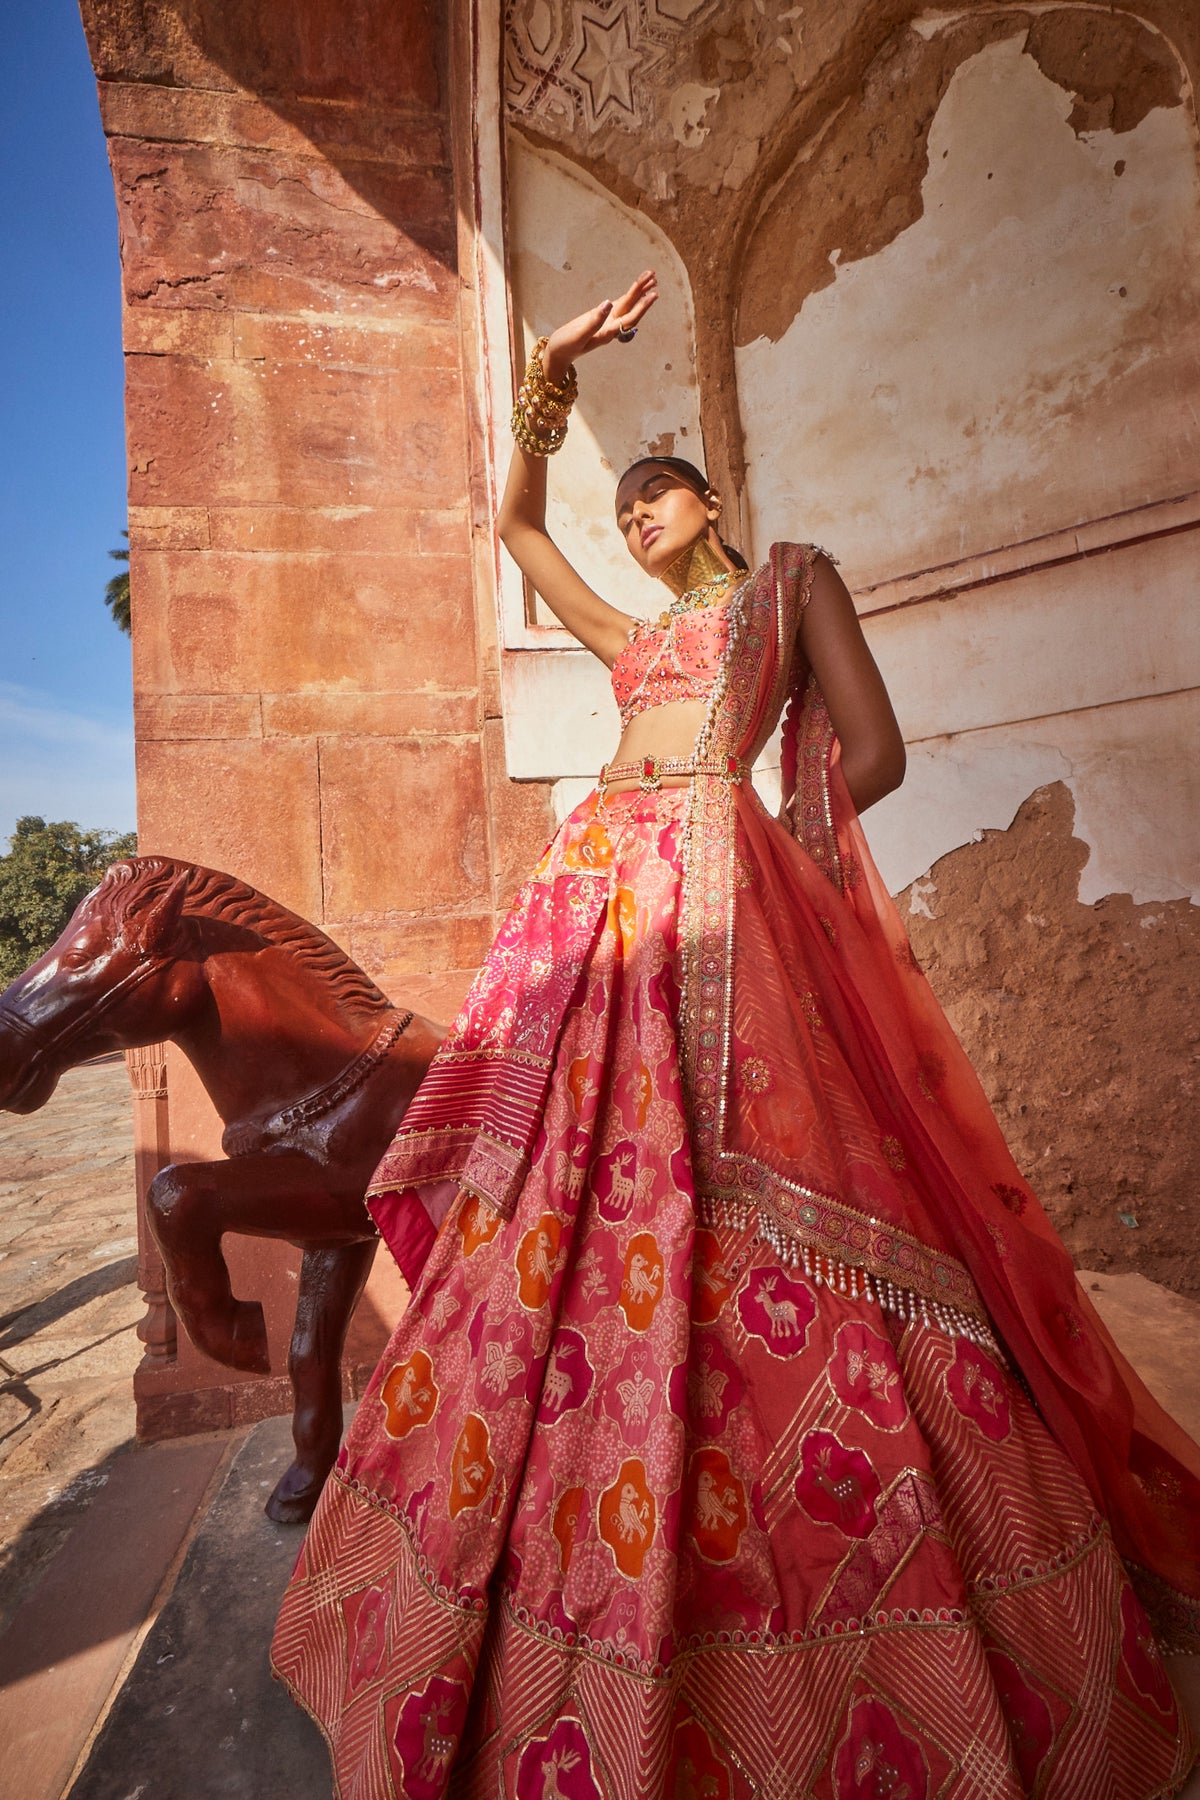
139, 1583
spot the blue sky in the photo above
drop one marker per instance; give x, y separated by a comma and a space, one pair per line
66, 726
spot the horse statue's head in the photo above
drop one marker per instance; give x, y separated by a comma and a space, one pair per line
105, 984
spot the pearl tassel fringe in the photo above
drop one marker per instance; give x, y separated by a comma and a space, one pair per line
850, 1279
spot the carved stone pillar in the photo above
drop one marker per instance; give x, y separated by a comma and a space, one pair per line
151, 1150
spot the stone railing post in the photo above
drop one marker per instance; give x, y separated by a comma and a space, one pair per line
151, 1150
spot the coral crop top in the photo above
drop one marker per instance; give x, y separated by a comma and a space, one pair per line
678, 660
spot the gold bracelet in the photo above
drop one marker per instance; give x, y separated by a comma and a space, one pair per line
539, 417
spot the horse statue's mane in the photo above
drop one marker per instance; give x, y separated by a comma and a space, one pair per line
138, 881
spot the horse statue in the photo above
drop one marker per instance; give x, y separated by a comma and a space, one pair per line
310, 1067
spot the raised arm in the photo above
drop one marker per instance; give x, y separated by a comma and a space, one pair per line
521, 521
873, 756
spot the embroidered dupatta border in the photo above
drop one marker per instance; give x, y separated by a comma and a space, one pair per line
764, 620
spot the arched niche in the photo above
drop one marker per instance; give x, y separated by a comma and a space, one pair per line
572, 243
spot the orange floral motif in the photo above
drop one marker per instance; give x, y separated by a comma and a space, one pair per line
627, 1515
409, 1395
477, 1224
642, 1282
591, 850
537, 1262
471, 1468
624, 904
566, 1523
715, 1506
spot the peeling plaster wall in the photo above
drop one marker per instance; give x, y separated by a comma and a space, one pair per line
945, 272
1024, 355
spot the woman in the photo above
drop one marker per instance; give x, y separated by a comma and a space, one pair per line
747, 1433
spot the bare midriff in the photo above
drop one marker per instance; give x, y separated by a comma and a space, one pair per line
667, 730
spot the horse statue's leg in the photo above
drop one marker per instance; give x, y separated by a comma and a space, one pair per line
183, 1207
265, 1194
331, 1281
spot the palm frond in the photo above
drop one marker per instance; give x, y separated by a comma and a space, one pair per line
116, 592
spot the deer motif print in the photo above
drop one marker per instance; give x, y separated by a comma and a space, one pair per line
558, 1381
437, 1745
559, 1763
782, 1313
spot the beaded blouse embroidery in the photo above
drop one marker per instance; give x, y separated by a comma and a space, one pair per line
677, 657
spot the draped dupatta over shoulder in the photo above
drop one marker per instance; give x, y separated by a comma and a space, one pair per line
862, 1139
828, 1099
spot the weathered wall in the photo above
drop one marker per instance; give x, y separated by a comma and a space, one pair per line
945, 276
315, 663
1081, 1020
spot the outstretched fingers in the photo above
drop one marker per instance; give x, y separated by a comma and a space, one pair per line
632, 306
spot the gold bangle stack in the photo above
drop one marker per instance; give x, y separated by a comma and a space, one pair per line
539, 418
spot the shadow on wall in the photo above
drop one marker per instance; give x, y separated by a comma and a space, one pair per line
1081, 1022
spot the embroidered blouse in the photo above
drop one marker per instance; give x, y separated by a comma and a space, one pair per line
677, 657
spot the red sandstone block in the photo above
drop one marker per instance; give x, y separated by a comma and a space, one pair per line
398, 950
401, 343
239, 624
246, 806
438, 530
195, 331
176, 1413
350, 51
168, 528
438, 996
233, 432
173, 717
411, 714
339, 530
261, 1399
402, 825
203, 225
140, 110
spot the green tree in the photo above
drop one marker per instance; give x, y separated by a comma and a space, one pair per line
48, 870
116, 594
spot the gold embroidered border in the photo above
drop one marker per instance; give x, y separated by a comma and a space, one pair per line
812, 821
800, 1215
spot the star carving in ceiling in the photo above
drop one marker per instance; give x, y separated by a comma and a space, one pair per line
584, 64
604, 66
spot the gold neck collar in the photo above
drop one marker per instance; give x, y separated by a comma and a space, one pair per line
693, 567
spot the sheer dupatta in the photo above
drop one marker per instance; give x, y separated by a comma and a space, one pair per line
860, 1135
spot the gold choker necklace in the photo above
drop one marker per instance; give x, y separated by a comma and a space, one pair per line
697, 566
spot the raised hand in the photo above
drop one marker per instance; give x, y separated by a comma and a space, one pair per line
599, 326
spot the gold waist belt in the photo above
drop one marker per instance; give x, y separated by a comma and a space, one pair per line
649, 770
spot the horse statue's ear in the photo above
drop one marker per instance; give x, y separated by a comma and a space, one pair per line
153, 930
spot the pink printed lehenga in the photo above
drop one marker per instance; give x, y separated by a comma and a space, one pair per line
747, 1434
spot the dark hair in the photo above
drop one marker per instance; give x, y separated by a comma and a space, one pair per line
694, 478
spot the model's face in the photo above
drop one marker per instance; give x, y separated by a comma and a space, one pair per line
659, 515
